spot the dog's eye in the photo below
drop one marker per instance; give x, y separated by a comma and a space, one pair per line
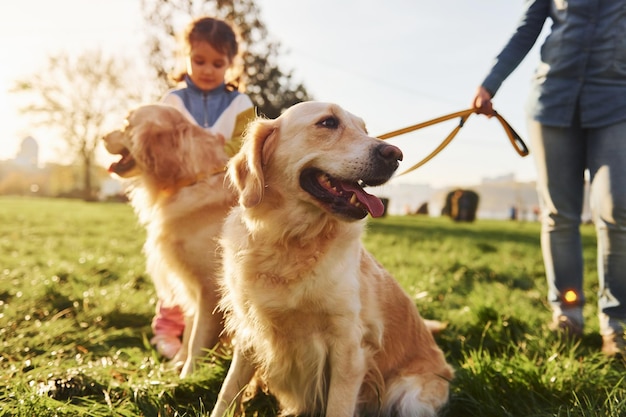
330, 122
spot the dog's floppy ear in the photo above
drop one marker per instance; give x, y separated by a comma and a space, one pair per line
245, 169
157, 147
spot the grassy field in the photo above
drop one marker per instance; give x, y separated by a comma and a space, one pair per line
76, 305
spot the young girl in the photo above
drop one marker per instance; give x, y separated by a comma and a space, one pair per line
213, 102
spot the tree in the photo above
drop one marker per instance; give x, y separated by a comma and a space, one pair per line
271, 89
81, 98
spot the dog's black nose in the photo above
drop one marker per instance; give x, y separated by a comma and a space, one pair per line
389, 152
384, 162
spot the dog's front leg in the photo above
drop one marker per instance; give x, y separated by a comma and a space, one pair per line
239, 375
179, 360
347, 370
205, 330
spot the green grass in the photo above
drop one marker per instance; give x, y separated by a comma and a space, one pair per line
76, 305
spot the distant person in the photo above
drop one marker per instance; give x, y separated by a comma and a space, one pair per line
210, 98
461, 205
577, 122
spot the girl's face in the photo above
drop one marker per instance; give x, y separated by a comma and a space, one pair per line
206, 66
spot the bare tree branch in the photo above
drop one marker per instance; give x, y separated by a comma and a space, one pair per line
81, 98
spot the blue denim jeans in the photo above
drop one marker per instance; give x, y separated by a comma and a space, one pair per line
561, 156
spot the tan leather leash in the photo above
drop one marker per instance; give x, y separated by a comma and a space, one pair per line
515, 139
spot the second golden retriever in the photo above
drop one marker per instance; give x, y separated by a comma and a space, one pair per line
314, 316
176, 174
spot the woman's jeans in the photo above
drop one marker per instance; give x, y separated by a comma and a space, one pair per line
562, 155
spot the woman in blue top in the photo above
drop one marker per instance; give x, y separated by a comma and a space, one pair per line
211, 48
577, 122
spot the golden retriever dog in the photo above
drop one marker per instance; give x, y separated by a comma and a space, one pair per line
177, 189
315, 318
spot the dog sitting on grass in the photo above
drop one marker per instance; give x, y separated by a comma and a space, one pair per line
175, 171
314, 316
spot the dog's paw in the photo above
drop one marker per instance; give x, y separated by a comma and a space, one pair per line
187, 369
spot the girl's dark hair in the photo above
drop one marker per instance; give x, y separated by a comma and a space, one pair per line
221, 36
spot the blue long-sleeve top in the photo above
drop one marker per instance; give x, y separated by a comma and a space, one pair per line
583, 61
220, 110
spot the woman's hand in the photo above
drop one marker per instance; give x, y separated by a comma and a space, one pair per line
482, 102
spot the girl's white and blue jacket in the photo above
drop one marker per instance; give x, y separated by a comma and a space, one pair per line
221, 110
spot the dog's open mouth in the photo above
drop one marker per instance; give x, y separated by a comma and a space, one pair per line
125, 164
339, 196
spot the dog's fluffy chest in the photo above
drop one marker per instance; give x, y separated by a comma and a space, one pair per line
298, 281
299, 291
290, 327
288, 304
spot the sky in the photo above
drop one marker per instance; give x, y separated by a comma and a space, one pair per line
394, 64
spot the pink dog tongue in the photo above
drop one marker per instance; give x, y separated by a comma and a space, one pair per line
373, 203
